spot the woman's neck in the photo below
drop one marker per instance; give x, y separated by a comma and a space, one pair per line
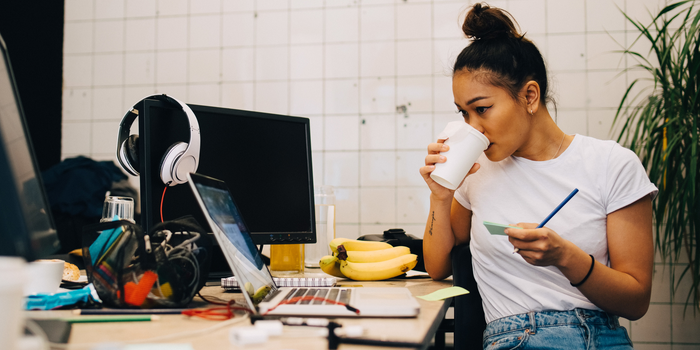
545, 141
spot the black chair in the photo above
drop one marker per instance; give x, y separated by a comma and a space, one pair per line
469, 320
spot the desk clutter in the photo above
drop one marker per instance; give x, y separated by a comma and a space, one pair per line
163, 268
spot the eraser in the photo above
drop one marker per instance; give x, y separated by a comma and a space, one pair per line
271, 327
247, 335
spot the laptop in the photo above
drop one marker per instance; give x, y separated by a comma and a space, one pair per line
258, 287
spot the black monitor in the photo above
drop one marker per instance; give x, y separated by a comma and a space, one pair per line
265, 159
26, 226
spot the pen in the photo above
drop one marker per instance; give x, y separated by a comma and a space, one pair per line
113, 318
544, 222
128, 311
566, 200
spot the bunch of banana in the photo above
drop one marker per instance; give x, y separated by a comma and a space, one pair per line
330, 265
367, 260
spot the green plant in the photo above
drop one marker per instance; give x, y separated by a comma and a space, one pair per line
661, 124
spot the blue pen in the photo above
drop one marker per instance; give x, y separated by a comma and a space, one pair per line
544, 222
566, 200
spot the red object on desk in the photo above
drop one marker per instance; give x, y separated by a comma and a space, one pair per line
135, 294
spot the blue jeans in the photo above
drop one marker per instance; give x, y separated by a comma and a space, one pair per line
562, 330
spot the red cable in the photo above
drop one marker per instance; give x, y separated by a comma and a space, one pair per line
216, 313
161, 202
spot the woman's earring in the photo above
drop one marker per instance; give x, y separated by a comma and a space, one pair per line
530, 111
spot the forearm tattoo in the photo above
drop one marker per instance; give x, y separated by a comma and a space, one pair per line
432, 221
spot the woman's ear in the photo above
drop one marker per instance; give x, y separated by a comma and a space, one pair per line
532, 96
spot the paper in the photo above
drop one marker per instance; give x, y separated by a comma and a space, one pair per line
444, 293
498, 229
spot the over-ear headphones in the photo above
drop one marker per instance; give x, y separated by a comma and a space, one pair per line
180, 159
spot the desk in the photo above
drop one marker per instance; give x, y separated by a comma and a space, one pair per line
419, 330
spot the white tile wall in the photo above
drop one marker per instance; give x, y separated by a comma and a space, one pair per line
347, 65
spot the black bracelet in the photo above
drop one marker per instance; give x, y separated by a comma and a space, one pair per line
588, 274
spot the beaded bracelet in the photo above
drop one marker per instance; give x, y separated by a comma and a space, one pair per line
588, 274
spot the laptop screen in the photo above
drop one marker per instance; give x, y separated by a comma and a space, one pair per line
233, 236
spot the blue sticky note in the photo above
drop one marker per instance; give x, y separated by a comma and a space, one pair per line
103, 242
497, 229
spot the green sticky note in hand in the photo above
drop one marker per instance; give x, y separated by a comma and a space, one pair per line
444, 293
497, 229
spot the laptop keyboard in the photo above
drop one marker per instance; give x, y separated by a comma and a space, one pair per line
339, 295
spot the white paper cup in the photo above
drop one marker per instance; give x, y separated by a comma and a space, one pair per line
13, 274
466, 145
44, 276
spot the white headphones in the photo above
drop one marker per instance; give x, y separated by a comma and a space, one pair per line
179, 160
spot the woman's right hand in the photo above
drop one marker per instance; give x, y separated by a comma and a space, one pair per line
434, 157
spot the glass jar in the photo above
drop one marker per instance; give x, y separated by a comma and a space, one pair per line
324, 200
287, 257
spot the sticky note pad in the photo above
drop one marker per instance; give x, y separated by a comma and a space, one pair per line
497, 229
444, 293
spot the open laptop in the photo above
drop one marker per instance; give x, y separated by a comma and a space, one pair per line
258, 287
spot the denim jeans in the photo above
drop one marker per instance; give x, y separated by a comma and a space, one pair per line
564, 330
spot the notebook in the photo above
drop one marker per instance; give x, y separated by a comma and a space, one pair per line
231, 284
261, 292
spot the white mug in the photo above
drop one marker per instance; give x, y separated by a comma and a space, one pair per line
44, 276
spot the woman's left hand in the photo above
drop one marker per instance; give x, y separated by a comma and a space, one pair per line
538, 246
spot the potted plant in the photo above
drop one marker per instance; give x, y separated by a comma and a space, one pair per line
661, 124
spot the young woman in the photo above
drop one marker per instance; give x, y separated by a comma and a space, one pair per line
561, 286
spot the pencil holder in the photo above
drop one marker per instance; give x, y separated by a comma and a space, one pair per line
164, 268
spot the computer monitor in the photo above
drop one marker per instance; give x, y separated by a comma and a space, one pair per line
26, 226
265, 159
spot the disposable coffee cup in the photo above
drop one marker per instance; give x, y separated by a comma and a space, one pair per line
44, 276
13, 275
466, 145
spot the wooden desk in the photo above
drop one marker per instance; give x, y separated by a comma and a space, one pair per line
418, 330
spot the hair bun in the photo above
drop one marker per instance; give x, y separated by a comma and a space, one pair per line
485, 22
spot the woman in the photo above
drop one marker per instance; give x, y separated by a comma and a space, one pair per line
563, 285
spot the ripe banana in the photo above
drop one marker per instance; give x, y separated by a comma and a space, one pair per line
359, 256
375, 271
354, 244
260, 294
330, 265
336, 242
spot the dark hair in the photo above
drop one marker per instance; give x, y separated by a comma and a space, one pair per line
501, 52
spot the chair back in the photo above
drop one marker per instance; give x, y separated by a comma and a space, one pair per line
469, 312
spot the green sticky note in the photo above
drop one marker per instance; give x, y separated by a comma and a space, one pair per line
497, 229
444, 293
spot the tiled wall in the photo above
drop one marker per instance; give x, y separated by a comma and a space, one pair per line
372, 75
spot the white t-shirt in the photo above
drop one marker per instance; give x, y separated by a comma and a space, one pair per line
608, 176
